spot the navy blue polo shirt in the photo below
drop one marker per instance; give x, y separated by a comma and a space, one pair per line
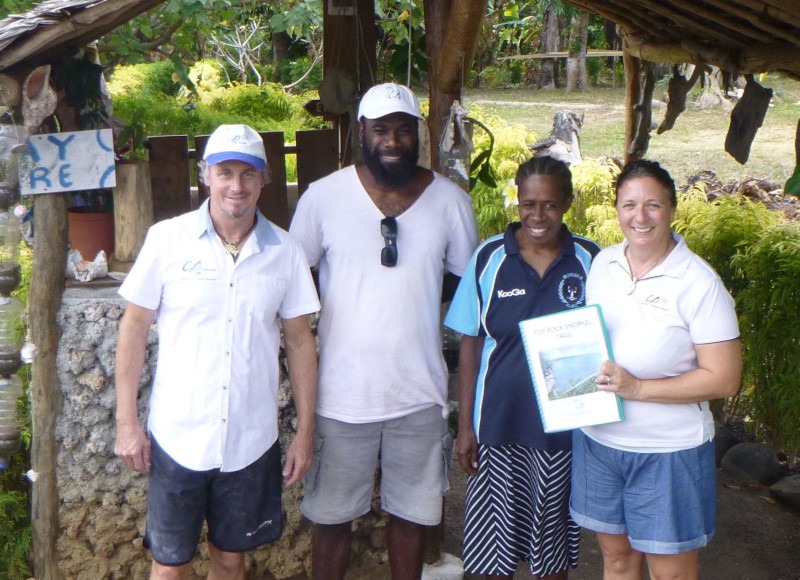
498, 290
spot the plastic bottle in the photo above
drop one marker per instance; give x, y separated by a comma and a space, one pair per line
455, 166
10, 338
10, 391
9, 252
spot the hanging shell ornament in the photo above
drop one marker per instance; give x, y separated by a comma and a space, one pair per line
39, 98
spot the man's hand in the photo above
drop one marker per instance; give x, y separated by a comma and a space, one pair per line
467, 449
298, 458
133, 447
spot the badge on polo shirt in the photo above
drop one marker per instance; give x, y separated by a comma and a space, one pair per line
572, 290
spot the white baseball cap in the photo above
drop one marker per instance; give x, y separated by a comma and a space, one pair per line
236, 143
388, 98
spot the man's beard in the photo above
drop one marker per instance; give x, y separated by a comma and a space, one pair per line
235, 214
396, 174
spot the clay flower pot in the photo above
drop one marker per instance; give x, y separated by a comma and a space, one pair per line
91, 229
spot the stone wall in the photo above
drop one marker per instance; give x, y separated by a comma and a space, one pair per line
103, 505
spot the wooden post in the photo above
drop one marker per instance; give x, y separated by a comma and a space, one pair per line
274, 203
169, 175
452, 33
133, 208
633, 87
47, 284
348, 62
316, 156
440, 100
797, 144
643, 113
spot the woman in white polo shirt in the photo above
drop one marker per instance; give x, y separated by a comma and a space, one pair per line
646, 485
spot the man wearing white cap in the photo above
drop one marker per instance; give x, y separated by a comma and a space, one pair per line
383, 234
216, 280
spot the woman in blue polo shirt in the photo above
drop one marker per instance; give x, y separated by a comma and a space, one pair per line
518, 492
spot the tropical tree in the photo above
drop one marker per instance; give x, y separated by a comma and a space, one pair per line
401, 40
294, 23
577, 75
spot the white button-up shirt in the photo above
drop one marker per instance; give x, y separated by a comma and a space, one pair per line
214, 401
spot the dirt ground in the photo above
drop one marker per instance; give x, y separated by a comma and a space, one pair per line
756, 539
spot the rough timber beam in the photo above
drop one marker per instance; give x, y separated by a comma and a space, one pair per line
49, 42
755, 59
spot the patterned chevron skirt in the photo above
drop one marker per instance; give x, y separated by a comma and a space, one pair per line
517, 508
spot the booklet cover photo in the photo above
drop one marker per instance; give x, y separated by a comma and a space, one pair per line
565, 351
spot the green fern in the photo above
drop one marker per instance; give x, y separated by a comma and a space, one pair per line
769, 313
15, 535
593, 206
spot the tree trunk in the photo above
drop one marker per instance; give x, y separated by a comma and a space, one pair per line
550, 43
280, 53
456, 25
577, 75
713, 94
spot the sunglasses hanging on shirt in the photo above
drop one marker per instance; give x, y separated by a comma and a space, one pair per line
389, 233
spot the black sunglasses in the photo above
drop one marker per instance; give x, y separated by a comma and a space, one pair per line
389, 233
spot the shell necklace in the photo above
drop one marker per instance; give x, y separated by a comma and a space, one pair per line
233, 247
634, 277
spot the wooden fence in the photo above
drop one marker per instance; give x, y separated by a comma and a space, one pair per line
173, 161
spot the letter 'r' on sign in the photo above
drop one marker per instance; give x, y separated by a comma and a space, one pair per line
73, 161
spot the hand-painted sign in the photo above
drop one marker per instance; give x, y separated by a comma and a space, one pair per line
68, 162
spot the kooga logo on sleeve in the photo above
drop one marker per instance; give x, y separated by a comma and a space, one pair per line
510, 293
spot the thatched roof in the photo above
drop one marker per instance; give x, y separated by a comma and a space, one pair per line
738, 36
46, 32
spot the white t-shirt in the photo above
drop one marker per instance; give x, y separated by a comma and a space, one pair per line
214, 402
680, 303
380, 327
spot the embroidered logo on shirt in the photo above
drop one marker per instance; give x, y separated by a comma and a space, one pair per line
196, 269
571, 290
658, 302
510, 293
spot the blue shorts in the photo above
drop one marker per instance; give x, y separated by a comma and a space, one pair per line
414, 453
665, 502
242, 508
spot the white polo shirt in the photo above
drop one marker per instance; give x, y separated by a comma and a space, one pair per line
679, 304
214, 401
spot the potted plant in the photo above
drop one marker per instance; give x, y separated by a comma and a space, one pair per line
91, 222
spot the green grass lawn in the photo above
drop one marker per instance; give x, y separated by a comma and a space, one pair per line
695, 143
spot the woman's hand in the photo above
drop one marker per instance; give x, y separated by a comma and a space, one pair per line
616, 379
718, 375
467, 449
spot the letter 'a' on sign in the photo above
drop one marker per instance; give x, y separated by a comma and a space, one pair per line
74, 161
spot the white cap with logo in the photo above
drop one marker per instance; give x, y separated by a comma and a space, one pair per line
236, 143
388, 98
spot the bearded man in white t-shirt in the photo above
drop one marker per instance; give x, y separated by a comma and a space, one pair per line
383, 234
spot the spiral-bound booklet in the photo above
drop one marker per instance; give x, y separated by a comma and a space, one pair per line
565, 351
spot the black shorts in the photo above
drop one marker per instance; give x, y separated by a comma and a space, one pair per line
242, 508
